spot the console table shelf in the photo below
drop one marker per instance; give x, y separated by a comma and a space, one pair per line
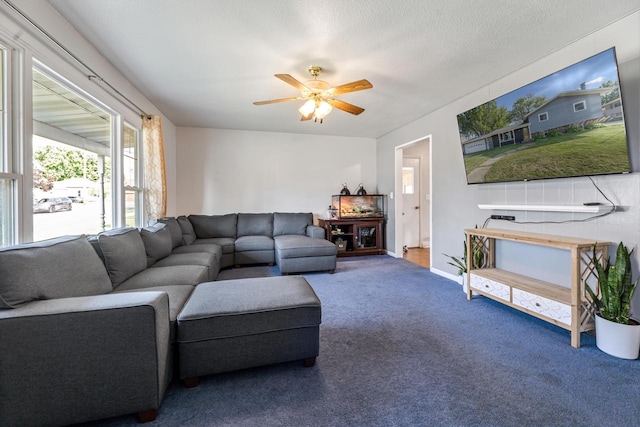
564, 306
528, 284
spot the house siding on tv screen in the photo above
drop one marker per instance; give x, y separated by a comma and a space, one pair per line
575, 128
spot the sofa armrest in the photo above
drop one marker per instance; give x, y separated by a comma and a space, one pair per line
70, 360
315, 231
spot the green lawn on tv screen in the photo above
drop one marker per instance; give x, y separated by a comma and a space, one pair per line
592, 152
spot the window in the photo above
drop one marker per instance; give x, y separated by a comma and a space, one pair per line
4, 148
8, 181
8, 192
579, 106
506, 136
543, 117
75, 138
72, 142
408, 180
131, 164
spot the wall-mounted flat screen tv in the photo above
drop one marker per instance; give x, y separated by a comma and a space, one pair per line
568, 124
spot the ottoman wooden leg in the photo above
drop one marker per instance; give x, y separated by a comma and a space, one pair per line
309, 362
147, 416
191, 382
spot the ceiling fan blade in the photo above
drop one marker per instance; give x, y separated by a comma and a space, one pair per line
292, 81
305, 118
273, 101
351, 87
345, 106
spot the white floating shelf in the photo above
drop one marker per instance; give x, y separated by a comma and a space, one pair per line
548, 208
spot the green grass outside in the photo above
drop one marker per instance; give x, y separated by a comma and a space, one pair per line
600, 150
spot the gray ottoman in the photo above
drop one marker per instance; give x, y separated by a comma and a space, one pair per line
236, 324
300, 254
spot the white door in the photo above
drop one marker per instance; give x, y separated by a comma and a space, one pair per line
411, 201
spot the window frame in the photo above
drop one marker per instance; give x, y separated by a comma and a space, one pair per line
13, 212
10, 79
546, 116
138, 188
583, 103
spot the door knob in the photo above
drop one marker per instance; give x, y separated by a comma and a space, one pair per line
417, 207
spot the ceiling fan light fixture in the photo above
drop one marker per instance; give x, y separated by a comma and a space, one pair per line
323, 108
319, 96
315, 87
308, 108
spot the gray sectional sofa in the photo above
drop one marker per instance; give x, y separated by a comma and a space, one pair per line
90, 327
290, 240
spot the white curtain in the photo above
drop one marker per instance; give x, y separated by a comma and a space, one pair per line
155, 181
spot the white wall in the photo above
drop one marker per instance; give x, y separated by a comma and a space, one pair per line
222, 171
454, 203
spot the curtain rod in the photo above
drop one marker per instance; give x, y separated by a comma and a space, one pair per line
92, 76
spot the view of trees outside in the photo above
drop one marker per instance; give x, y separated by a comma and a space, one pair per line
489, 116
60, 170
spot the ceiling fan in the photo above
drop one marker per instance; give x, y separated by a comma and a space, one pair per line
319, 95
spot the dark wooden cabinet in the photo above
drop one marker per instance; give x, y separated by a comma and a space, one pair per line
356, 236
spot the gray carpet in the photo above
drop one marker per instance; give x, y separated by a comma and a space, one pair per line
401, 346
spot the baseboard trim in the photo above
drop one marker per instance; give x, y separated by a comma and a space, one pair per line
446, 275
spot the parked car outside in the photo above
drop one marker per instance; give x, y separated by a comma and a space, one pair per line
76, 199
52, 204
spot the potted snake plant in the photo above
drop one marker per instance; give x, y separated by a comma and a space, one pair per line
616, 333
461, 262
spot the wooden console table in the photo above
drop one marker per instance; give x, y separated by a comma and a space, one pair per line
564, 306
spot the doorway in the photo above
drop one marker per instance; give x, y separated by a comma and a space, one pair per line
413, 204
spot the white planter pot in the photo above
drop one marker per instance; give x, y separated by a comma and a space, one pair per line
463, 280
618, 340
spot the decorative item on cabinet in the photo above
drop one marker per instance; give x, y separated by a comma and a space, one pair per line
345, 190
616, 333
341, 244
352, 206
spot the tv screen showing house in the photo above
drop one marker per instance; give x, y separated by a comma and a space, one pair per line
568, 124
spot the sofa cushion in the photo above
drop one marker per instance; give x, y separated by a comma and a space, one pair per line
174, 229
291, 223
214, 226
204, 259
255, 224
254, 243
177, 275
178, 296
157, 242
227, 243
188, 233
241, 307
202, 247
56, 268
292, 246
124, 253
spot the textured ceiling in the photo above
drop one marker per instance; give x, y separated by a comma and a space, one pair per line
203, 62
